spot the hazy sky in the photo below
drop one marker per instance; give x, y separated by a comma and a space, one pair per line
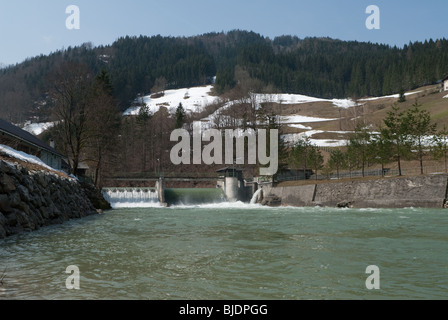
32, 27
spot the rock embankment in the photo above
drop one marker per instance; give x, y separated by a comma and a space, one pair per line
32, 199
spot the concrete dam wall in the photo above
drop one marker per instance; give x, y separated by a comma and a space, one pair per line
400, 192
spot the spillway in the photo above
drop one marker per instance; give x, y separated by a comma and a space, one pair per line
131, 197
194, 196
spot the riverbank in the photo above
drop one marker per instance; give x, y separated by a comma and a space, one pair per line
429, 191
32, 197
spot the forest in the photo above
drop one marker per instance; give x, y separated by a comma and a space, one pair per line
86, 88
319, 67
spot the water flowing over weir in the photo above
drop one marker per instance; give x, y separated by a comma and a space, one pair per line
196, 196
149, 197
257, 196
131, 197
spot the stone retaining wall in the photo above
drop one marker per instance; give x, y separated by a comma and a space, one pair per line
30, 200
420, 191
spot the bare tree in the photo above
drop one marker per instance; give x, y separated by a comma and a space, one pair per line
103, 127
71, 97
159, 86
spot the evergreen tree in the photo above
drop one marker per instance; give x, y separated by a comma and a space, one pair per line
397, 133
360, 147
180, 116
382, 149
299, 155
337, 161
315, 160
440, 149
420, 127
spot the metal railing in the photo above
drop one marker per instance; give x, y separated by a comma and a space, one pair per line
185, 175
367, 173
387, 173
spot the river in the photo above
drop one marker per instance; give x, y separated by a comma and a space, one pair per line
233, 252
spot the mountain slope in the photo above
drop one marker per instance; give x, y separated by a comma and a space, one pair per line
319, 67
327, 122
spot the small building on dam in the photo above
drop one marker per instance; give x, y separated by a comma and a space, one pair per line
231, 181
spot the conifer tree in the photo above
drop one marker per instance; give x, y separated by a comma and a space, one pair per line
360, 147
337, 161
420, 127
316, 160
440, 149
180, 116
397, 133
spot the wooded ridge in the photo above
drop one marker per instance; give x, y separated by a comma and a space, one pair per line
319, 67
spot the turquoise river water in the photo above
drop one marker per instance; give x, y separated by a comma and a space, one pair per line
233, 252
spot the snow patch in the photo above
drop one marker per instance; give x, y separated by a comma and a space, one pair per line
192, 99
294, 137
19, 155
288, 98
300, 126
38, 128
302, 119
344, 103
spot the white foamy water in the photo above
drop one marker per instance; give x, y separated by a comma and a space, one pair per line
131, 197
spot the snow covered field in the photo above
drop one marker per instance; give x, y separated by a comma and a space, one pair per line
195, 99
192, 99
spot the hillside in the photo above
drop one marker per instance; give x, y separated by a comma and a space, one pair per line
327, 122
318, 67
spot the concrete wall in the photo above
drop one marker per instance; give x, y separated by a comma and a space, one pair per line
231, 190
300, 196
422, 191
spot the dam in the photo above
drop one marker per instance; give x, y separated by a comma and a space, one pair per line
230, 187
